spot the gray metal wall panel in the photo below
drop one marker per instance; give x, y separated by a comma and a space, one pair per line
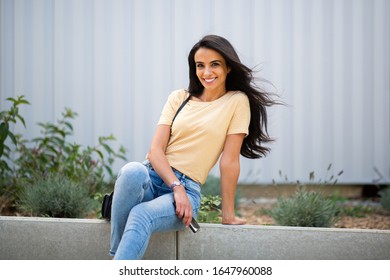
115, 62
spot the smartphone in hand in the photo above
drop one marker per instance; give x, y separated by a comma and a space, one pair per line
194, 226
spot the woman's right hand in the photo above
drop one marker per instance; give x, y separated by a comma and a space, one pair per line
183, 205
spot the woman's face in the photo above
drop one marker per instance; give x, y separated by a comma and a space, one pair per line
211, 70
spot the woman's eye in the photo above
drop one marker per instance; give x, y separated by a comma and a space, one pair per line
215, 64
199, 65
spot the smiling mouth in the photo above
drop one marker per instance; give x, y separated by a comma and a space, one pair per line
209, 80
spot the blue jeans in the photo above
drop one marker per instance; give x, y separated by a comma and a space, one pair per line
143, 204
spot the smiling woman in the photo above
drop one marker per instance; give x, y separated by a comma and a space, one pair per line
212, 71
222, 115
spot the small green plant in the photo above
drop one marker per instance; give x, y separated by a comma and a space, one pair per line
385, 198
55, 195
305, 209
52, 152
358, 211
212, 187
210, 209
7, 138
6, 117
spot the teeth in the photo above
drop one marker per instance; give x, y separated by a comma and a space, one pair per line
209, 80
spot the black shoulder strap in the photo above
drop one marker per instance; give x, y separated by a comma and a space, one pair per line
178, 110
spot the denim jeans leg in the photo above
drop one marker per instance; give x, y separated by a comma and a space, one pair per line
144, 219
156, 215
132, 187
151, 209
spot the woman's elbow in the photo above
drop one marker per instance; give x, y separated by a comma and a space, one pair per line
229, 164
153, 153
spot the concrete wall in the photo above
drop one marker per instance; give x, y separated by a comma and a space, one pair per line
23, 238
283, 243
50, 238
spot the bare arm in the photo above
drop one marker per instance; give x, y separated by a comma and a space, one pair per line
230, 171
161, 165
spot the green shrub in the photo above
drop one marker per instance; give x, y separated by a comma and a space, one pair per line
7, 117
305, 209
358, 211
385, 198
212, 187
210, 209
54, 152
55, 195
8, 140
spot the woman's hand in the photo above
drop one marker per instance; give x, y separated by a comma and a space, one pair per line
234, 221
183, 205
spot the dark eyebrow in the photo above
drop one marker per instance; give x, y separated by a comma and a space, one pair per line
210, 62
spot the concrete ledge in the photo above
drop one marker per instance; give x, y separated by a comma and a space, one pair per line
23, 238
284, 243
66, 239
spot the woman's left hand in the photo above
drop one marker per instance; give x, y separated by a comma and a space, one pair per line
234, 221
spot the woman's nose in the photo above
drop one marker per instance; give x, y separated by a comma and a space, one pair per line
207, 70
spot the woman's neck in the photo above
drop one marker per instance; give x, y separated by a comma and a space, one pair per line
208, 96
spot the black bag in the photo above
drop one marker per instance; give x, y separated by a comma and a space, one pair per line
107, 199
106, 206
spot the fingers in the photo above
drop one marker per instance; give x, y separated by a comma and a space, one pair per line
187, 218
235, 221
180, 212
183, 205
184, 212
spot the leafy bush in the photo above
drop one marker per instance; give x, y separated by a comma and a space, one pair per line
51, 154
55, 195
358, 211
54, 153
385, 198
305, 209
7, 180
212, 187
210, 209
7, 117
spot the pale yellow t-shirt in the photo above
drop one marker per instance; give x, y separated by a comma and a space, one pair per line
200, 129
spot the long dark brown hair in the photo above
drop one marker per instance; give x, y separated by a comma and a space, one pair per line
239, 78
